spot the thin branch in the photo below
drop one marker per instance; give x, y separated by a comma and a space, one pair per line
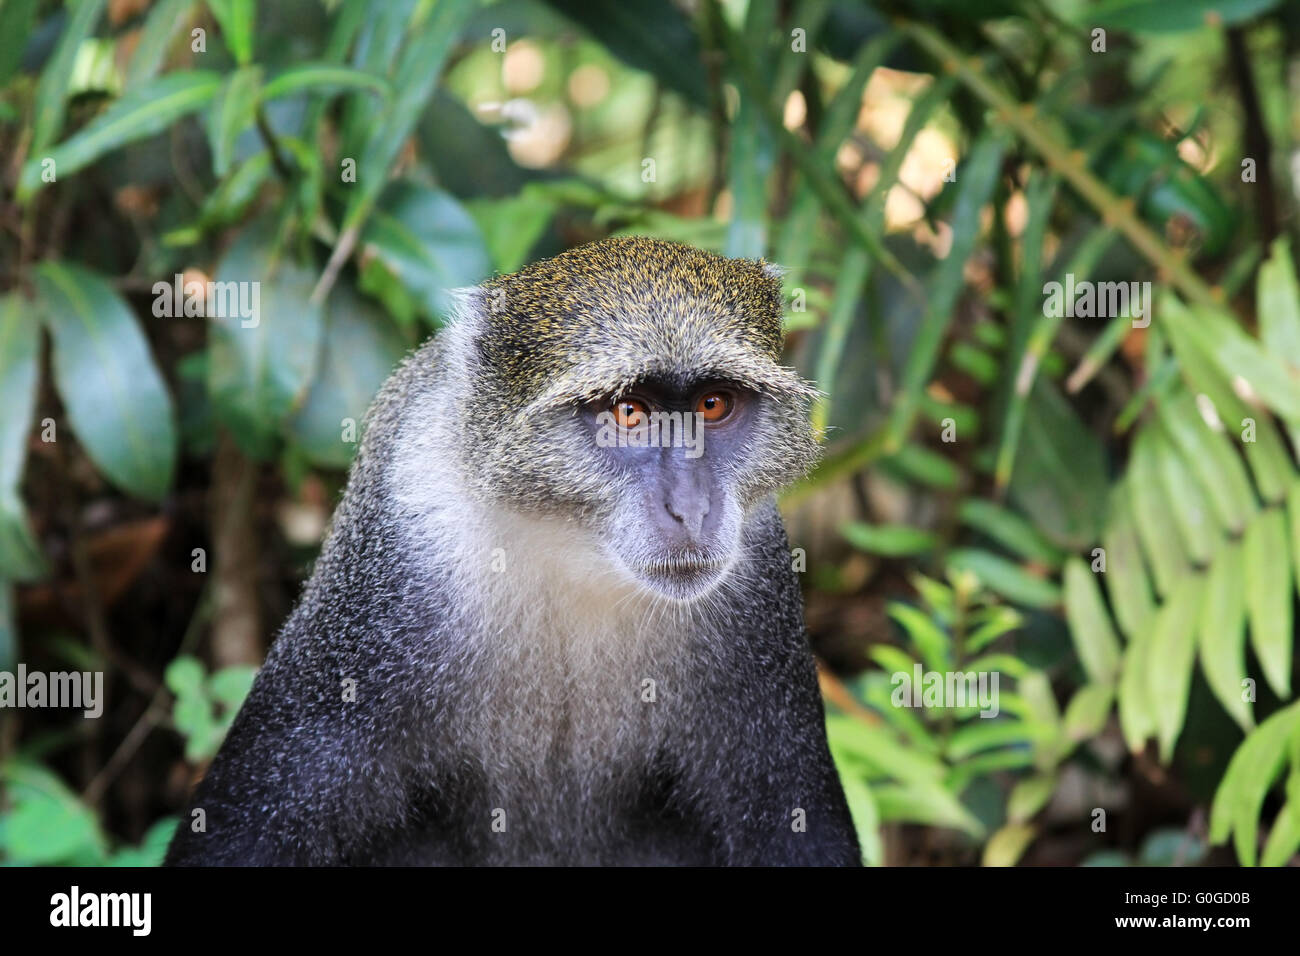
1072, 164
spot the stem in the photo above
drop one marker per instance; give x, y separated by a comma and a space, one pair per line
825, 184
1070, 163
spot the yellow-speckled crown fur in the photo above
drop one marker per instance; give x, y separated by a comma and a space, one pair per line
595, 319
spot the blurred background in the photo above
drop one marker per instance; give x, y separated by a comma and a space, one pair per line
1099, 504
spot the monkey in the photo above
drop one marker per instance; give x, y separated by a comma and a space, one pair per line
533, 636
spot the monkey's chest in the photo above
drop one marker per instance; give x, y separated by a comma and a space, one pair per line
565, 762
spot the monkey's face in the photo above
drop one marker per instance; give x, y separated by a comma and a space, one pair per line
632, 389
680, 464
659, 475
672, 458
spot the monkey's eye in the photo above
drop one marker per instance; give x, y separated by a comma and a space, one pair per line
630, 413
714, 406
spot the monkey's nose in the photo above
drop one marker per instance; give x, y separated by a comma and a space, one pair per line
685, 494
690, 513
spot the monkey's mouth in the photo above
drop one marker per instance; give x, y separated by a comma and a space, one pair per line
683, 577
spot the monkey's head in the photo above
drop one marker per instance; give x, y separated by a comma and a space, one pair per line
634, 386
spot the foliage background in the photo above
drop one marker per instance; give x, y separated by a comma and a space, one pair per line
921, 168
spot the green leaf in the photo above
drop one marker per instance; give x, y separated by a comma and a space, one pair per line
985, 734
877, 691
1003, 663
1284, 838
1171, 847
933, 644
142, 112
52, 90
937, 595
152, 848
323, 78
1040, 702
866, 819
196, 722
1094, 638
115, 397
978, 177
879, 750
1029, 796
47, 823
1157, 527
16, 18
892, 659
1006, 578
646, 35
361, 349
1218, 468
20, 557
231, 199
1127, 581
1250, 775
418, 68
1160, 16
918, 463
1268, 596
8, 628
890, 540
928, 804
997, 621
428, 240
1278, 304
512, 225
1010, 530
184, 676
1008, 844
751, 156
259, 374
1060, 478
1171, 657
995, 761
1268, 458
232, 112
1085, 715
1106, 858
1191, 512
1293, 512
975, 362
1278, 308
1222, 633
1246, 362
230, 685
236, 20
160, 26
1136, 711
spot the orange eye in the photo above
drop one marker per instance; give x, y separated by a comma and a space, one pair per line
630, 413
714, 406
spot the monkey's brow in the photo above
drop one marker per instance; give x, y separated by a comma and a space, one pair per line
683, 385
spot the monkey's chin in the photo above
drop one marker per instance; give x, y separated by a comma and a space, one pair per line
682, 579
